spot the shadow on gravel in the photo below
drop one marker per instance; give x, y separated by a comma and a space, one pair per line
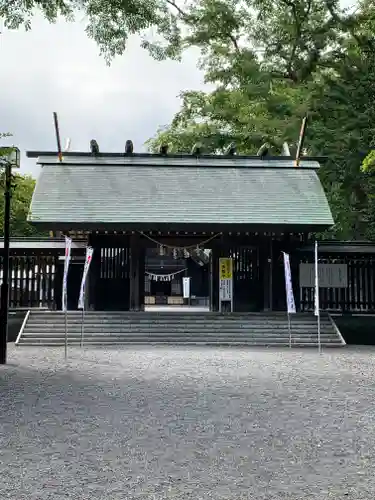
272, 431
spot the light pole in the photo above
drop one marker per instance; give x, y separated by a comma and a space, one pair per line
9, 157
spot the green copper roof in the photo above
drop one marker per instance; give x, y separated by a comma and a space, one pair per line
258, 193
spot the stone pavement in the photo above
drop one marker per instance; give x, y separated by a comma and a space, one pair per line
197, 423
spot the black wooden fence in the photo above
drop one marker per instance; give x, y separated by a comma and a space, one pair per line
357, 297
34, 281
112, 285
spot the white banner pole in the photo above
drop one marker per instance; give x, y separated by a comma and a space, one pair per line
66, 334
81, 299
82, 325
319, 339
231, 293
317, 306
68, 246
290, 302
220, 285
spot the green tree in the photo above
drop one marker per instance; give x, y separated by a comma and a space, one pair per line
109, 22
297, 57
344, 126
343, 114
291, 33
22, 191
262, 56
368, 164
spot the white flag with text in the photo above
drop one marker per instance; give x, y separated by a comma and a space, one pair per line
291, 305
316, 294
68, 247
81, 300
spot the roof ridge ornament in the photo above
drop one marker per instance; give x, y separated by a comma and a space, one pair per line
67, 145
129, 147
231, 150
57, 134
302, 135
94, 147
285, 149
163, 150
196, 149
263, 150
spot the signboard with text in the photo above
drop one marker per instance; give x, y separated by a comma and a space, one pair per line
330, 275
226, 279
186, 287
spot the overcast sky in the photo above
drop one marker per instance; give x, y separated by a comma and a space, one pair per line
57, 68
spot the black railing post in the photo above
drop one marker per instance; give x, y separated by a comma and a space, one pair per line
5, 282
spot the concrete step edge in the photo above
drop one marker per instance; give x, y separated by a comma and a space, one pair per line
148, 343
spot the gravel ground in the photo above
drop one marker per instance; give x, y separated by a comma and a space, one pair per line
197, 423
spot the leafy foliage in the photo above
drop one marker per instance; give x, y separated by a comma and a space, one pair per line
273, 62
291, 33
270, 62
22, 191
109, 22
368, 164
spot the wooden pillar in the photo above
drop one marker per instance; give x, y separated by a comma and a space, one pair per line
295, 258
94, 275
134, 273
58, 281
218, 250
278, 279
267, 266
141, 274
214, 279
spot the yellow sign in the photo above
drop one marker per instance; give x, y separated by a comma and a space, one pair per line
226, 269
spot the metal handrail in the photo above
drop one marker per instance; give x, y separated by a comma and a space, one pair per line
337, 330
23, 326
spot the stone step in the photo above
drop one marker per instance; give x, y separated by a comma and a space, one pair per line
177, 324
107, 328
171, 317
177, 336
147, 314
39, 322
193, 327
127, 327
171, 328
182, 333
198, 324
133, 314
171, 341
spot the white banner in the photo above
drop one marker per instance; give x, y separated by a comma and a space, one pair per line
291, 305
316, 301
68, 247
186, 287
81, 300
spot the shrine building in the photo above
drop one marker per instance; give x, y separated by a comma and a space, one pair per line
153, 219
